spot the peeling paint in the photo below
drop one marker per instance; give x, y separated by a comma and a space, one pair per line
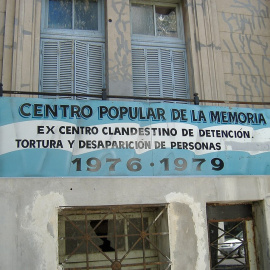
41, 222
199, 223
267, 199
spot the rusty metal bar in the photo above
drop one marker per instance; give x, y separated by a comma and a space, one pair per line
101, 251
87, 240
73, 224
156, 218
93, 229
94, 209
123, 265
130, 222
139, 239
143, 239
115, 237
118, 235
146, 264
229, 220
226, 232
73, 252
164, 255
215, 246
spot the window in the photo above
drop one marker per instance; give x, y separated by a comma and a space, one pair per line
154, 20
72, 47
68, 14
114, 237
231, 236
158, 51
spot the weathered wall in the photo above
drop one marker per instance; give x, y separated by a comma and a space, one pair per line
2, 31
19, 44
26, 45
29, 210
262, 227
244, 32
227, 44
118, 44
203, 49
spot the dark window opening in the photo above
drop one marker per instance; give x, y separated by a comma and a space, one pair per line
228, 229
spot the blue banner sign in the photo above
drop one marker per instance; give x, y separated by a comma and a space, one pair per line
44, 137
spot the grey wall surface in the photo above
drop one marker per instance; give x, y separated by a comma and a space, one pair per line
29, 211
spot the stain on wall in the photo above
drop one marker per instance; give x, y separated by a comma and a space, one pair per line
40, 224
245, 37
187, 233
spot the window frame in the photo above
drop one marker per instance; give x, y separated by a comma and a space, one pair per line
177, 42
90, 38
144, 66
93, 35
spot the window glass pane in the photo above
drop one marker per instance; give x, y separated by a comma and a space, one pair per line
86, 15
166, 21
60, 14
142, 20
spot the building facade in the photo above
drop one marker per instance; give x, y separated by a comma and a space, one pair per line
166, 49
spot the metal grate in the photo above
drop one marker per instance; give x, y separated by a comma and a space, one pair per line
229, 227
228, 246
114, 237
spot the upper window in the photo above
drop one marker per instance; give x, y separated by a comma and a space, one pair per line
154, 20
78, 14
157, 22
72, 59
158, 50
67, 15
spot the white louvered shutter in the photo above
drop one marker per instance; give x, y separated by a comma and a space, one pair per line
57, 66
167, 82
180, 73
89, 68
159, 72
81, 68
139, 72
66, 79
96, 68
153, 72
